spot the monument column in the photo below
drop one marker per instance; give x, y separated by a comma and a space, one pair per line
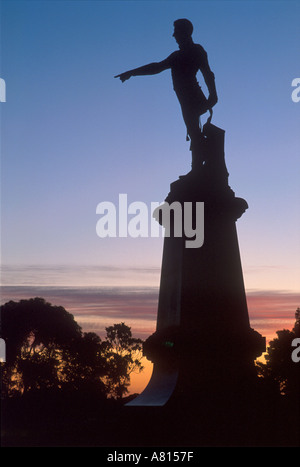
203, 343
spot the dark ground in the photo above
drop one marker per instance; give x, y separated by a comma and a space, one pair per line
57, 419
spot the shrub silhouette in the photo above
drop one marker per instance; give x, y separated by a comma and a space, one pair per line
280, 371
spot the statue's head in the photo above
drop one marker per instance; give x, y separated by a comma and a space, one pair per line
183, 29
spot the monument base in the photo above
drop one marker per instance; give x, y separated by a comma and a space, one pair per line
204, 348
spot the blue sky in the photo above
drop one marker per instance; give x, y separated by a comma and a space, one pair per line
72, 136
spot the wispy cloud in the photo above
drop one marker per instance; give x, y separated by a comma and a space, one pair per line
95, 308
270, 311
78, 275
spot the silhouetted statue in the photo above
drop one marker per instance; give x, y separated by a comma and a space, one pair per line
184, 65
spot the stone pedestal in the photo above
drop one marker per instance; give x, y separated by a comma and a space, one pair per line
204, 348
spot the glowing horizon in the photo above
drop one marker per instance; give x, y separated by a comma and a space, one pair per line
95, 308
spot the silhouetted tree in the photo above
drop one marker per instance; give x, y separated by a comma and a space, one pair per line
47, 349
85, 364
123, 354
279, 369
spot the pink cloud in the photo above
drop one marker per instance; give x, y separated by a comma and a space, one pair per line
96, 308
270, 311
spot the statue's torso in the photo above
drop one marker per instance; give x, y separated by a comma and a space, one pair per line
184, 67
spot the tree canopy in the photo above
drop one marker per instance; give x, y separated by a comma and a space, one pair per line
46, 348
279, 368
123, 354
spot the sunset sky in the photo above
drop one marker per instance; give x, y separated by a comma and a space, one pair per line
72, 136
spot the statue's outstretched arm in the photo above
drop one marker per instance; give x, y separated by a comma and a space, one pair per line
150, 69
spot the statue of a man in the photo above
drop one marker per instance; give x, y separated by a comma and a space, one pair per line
184, 65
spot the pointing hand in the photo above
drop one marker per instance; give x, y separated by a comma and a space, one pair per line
124, 76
